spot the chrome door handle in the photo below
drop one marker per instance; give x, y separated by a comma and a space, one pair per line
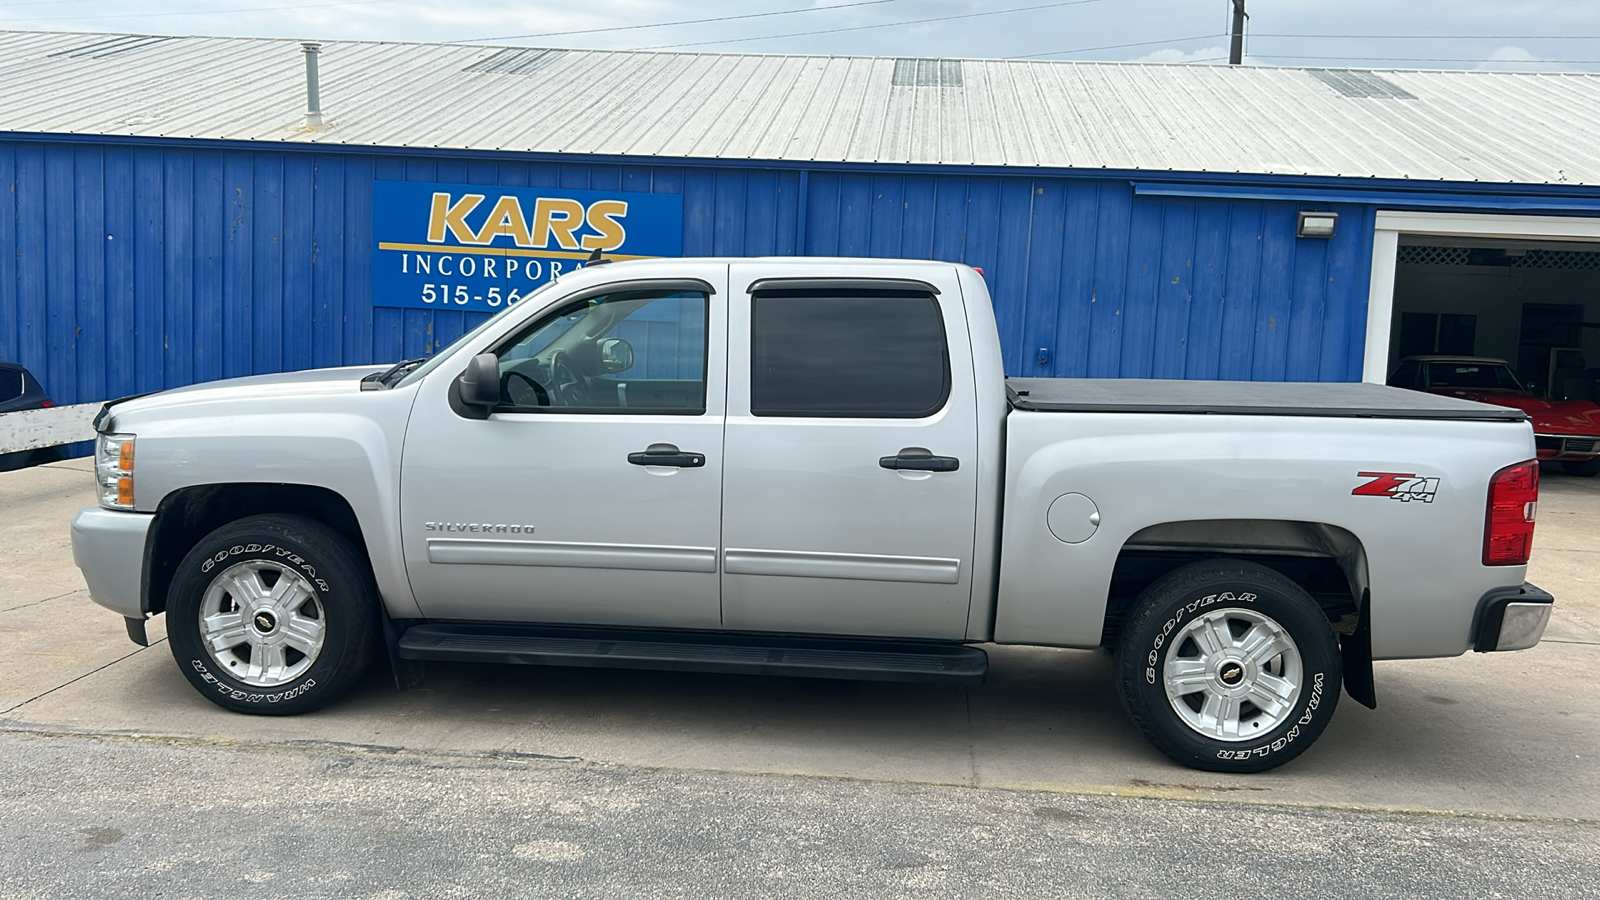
667, 455
919, 459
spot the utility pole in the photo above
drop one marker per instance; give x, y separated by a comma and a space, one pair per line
1236, 52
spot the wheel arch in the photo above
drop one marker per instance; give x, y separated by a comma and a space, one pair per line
188, 514
1327, 561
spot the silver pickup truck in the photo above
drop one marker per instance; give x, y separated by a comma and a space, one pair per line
812, 467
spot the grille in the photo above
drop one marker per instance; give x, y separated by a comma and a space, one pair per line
940, 73
514, 61
1361, 84
1576, 445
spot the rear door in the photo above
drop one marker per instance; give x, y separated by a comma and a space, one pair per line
850, 482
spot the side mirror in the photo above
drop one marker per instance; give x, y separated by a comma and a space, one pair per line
616, 355
480, 383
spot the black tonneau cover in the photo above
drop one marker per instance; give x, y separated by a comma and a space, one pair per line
1246, 398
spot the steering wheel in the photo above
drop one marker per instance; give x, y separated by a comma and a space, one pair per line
567, 386
541, 397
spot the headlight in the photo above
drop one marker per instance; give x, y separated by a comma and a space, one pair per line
113, 469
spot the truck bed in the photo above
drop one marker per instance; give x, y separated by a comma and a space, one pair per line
1245, 398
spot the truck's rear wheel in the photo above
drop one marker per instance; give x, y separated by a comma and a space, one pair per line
1228, 666
271, 615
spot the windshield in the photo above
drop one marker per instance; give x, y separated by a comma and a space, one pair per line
1472, 375
422, 371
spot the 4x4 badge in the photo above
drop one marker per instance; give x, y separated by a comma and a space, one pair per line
1402, 486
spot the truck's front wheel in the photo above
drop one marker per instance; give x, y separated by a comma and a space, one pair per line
271, 615
1228, 666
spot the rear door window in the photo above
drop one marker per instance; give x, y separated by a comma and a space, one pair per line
848, 354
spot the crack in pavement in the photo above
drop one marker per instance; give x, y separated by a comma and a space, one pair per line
45, 600
80, 677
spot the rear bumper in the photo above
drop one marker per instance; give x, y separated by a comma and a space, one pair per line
1511, 618
108, 545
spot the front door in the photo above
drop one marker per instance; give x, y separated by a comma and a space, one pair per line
851, 462
593, 493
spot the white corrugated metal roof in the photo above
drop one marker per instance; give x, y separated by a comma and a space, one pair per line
1437, 126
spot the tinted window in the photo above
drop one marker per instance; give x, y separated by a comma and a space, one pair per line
10, 384
630, 352
1471, 375
871, 355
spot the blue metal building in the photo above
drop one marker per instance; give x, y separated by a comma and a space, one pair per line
163, 222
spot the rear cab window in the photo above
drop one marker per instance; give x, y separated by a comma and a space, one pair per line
848, 354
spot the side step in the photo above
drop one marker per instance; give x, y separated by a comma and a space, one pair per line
697, 652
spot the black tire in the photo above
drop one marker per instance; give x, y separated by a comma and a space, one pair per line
330, 574
1159, 632
1589, 468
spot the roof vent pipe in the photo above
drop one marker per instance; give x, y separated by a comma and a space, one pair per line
313, 90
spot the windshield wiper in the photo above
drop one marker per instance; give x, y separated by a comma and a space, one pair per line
390, 376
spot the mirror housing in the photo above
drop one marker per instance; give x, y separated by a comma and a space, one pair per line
479, 385
616, 355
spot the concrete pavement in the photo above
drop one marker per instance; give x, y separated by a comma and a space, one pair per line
1503, 734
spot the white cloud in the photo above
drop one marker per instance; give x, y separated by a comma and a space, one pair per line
1170, 55
1514, 59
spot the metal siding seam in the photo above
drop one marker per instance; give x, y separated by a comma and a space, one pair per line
238, 286
355, 262
699, 189
855, 210
1011, 267
1139, 304
60, 369
887, 222
214, 219
120, 280
1074, 311
1237, 349
267, 306
1307, 309
1112, 234
300, 319
824, 194
1203, 356
1274, 292
1349, 281
788, 213
178, 255
949, 218
416, 325
327, 224
388, 323
1041, 299
761, 213
32, 286
148, 187
916, 230
1174, 290
10, 324
728, 236
89, 271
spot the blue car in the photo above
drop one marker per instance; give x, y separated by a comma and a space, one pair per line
19, 390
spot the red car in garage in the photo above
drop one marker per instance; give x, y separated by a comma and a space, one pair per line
1566, 431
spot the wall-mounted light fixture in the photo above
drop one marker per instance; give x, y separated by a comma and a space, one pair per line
1317, 224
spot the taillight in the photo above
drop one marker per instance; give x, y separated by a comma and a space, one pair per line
46, 404
1508, 528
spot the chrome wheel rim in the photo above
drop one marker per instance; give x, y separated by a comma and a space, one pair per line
262, 623
1233, 674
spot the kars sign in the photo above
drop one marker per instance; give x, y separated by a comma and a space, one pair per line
478, 248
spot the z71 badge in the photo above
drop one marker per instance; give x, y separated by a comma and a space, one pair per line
1402, 486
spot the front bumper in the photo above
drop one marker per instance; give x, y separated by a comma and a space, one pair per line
1511, 618
1567, 447
108, 545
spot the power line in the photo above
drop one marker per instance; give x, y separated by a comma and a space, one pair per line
1198, 37
773, 37
221, 12
781, 12
1455, 59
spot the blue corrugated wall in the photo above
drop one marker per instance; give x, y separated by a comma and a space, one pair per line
128, 268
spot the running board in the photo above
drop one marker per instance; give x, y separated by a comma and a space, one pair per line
697, 652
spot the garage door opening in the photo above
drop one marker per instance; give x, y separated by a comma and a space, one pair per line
1533, 304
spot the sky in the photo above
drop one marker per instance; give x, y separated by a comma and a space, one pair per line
1513, 35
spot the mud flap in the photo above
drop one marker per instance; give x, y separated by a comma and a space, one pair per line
1356, 649
407, 672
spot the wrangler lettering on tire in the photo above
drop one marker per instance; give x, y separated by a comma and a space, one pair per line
272, 614
1228, 666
